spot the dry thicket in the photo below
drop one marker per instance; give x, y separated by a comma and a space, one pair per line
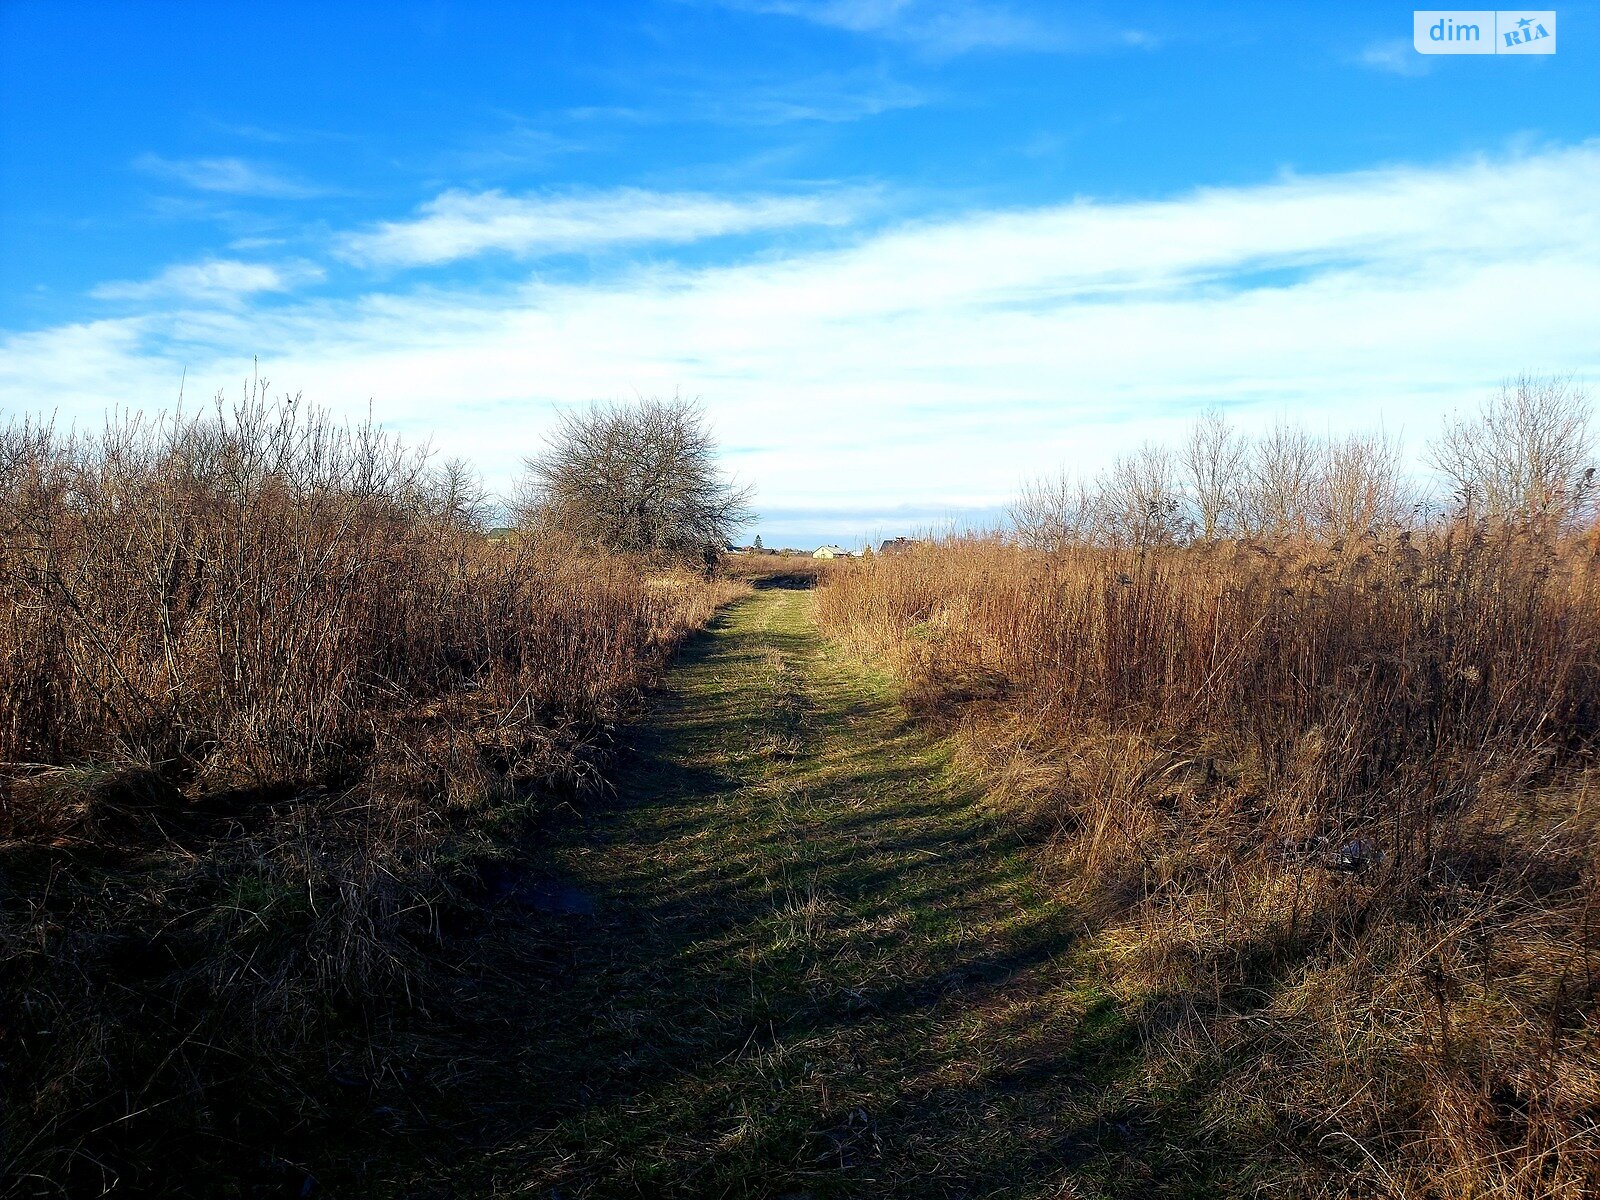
1323, 789
269, 697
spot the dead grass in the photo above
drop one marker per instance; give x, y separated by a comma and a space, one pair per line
271, 709
1330, 811
774, 570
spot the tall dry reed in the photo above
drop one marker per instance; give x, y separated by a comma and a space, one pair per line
1329, 809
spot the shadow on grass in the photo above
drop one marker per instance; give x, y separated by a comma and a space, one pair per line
804, 962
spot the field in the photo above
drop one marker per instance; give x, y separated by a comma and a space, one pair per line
1170, 843
1327, 813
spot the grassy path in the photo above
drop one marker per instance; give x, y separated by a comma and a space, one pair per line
794, 958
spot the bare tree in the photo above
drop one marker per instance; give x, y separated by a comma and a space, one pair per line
1137, 502
1053, 513
1140, 503
456, 493
1212, 459
1281, 483
1527, 455
641, 478
1360, 487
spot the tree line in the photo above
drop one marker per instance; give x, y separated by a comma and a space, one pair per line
1523, 457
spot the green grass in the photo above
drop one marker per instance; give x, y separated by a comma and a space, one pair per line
814, 966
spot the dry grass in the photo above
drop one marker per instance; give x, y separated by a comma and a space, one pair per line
1329, 809
774, 570
271, 701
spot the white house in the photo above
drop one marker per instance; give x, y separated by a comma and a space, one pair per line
830, 552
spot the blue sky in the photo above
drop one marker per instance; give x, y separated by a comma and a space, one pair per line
907, 252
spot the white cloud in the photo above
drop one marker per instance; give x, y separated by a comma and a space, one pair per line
944, 28
76, 372
214, 280
1394, 56
462, 224
230, 176
932, 366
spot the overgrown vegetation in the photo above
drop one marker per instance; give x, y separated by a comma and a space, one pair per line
273, 705
1313, 758
1305, 759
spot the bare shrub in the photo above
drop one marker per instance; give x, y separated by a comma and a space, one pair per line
638, 478
267, 692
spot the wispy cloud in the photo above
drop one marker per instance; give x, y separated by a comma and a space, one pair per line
517, 147
832, 99
277, 135
950, 27
929, 366
1393, 56
214, 280
947, 28
229, 176
461, 224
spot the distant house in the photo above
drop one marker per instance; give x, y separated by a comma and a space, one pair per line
898, 545
830, 552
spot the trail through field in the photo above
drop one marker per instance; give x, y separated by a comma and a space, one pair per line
792, 957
